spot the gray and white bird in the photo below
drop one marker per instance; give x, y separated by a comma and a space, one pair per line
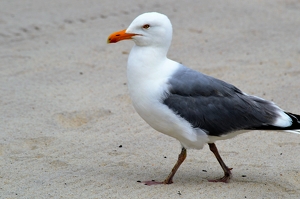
185, 104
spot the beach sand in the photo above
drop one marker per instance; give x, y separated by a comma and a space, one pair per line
67, 125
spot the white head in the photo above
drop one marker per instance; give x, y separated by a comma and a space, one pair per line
149, 29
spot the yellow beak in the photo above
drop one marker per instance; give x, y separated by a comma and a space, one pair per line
120, 35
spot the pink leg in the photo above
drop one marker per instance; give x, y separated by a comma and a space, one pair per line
227, 172
169, 179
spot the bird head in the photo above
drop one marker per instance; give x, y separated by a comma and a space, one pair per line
148, 29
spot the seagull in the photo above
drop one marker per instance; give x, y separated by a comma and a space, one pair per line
194, 108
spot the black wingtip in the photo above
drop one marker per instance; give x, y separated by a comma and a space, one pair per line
295, 126
295, 121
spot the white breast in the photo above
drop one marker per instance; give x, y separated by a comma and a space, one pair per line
147, 85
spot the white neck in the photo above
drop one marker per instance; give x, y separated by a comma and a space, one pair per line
148, 66
147, 55
144, 62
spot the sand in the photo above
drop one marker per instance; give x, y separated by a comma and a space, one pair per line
67, 125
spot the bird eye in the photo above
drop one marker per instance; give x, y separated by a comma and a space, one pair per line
146, 26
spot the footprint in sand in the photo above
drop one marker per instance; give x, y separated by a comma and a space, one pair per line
79, 118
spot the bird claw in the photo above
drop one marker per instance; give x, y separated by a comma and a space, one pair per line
152, 182
225, 178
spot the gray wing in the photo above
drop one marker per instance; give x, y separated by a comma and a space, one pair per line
216, 106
